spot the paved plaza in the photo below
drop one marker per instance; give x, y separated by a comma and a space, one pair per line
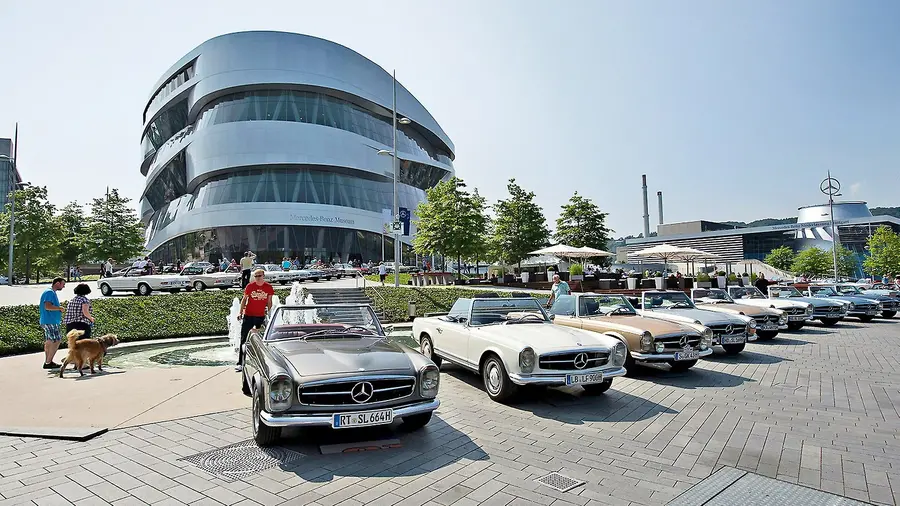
816, 408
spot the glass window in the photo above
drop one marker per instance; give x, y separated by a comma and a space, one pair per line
170, 184
173, 84
166, 125
564, 305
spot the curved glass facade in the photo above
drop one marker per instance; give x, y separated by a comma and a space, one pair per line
170, 184
318, 109
272, 243
167, 124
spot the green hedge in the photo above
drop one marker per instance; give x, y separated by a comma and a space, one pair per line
428, 300
131, 318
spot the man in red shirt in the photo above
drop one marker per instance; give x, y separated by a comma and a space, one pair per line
256, 303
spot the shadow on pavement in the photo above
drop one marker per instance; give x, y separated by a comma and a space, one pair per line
783, 341
695, 377
745, 357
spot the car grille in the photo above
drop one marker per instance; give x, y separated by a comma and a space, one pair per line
833, 312
721, 330
341, 393
889, 305
795, 311
766, 320
566, 361
674, 343
862, 308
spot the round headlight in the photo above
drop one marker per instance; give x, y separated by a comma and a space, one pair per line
660, 347
752, 324
526, 360
619, 354
646, 341
809, 309
429, 381
706, 338
280, 390
782, 319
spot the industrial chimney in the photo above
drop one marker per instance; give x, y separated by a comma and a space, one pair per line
646, 208
659, 197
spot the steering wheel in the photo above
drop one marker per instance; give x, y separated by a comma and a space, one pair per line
357, 327
620, 309
523, 317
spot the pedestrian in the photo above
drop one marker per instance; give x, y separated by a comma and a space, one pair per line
286, 264
50, 319
762, 284
559, 287
108, 267
382, 272
78, 312
256, 303
246, 265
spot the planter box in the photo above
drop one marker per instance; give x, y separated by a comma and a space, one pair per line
648, 283
605, 284
659, 283
704, 284
577, 277
632, 283
746, 280
721, 281
525, 275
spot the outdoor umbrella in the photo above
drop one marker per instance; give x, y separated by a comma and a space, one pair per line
559, 250
691, 255
664, 252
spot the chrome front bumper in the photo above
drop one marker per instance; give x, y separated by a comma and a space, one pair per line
559, 379
663, 357
320, 419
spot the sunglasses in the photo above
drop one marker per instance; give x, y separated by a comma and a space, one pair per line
258, 276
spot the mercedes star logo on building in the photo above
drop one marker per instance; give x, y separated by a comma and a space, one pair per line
581, 360
362, 392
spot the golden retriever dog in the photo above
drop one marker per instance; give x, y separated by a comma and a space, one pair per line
86, 351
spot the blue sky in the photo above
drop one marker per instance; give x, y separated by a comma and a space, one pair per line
735, 110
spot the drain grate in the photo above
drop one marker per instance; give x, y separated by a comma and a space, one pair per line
559, 482
240, 460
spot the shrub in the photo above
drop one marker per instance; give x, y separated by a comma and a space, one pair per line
394, 300
720, 273
657, 274
576, 270
745, 275
703, 277
131, 318
635, 275
732, 277
753, 278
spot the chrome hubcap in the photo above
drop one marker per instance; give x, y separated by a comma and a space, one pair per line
494, 380
426, 348
255, 415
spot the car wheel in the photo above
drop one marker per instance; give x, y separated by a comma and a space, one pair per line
733, 349
888, 314
795, 326
415, 422
427, 349
496, 380
283, 282
263, 435
597, 388
766, 335
830, 322
199, 286
143, 289
682, 366
315, 280
175, 290
866, 318
245, 387
105, 290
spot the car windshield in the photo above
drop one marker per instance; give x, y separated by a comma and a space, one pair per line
323, 322
823, 290
712, 294
272, 267
784, 292
667, 300
603, 305
849, 290
517, 310
746, 292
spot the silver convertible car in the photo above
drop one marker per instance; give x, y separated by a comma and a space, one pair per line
332, 365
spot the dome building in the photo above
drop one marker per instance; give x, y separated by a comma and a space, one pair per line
269, 141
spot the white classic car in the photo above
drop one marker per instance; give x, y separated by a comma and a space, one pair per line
134, 280
201, 279
512, 342
798, 312
275, 274
768, 320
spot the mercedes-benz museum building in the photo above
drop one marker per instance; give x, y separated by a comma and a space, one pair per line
269, 141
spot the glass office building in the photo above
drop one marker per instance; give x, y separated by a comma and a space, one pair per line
9, 175
269, 141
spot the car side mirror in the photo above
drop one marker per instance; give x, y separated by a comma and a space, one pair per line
552, 316
462, 319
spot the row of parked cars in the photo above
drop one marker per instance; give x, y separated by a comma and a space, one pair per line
200, 276
333, 365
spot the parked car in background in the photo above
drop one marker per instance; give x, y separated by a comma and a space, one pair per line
315, 274
4, 280
511, 342
275, 274
332, 366
647, 339
864, 308
202, 277
798, 312
829, 312
300, 275
347, 270
133, 279
889, 303
768, 321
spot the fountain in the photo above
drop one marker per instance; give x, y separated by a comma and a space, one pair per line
234, 327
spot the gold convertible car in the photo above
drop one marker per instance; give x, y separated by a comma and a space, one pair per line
648, 340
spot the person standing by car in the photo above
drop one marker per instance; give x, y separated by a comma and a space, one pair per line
50, 319
762, 284
559, 288
256, 303
78, 312
286, 264
246, 265
108, 267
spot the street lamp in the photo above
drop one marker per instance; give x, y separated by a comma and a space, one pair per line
393, 155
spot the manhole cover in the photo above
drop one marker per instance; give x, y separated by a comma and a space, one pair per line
239, 460
559, 482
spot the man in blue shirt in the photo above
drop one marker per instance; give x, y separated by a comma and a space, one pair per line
559, 288
51, 318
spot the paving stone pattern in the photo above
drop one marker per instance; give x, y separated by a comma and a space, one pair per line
817, 408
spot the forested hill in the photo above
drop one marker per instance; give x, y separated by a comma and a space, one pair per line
765, 222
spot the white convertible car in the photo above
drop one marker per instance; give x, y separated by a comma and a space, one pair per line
275, 274
201, 279
134, 280
512, 342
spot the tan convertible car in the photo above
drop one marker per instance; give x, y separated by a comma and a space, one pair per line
648, 340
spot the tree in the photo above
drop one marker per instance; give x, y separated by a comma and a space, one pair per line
35, 231
519, 226
71, 224
781, 258
451, 221
812, 262
884, 253
113, 229
582, 223
847, 262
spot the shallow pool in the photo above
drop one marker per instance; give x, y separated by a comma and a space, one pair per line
202, 353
